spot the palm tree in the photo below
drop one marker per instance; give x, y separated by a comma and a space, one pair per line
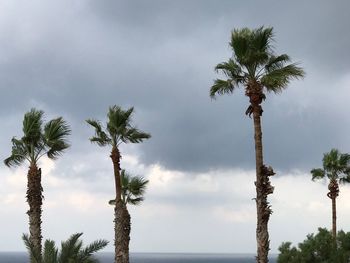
72, 250
118, 130
133, 189
255, 66
38, 140
336, 167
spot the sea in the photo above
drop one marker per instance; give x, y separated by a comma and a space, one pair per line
22, 257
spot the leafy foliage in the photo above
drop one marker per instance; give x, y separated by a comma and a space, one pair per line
254, 60
133, 188
72, 250
336, 165
50, 140
118, 128
317, 249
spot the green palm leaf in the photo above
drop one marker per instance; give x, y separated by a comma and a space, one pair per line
101, 138
18, 155
56, 133
35, 255
278, 78
221, 87
32, 126
133, 188
317, 174
50, 252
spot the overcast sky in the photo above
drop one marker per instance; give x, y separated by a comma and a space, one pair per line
76, 58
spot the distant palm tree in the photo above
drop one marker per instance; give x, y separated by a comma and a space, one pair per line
38, 140
133, 189
336, 167
255, 67
72, 251
119, 130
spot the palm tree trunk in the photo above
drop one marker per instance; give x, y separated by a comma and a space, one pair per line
34, 199
334, 219
121, 215
263, 210
333, 193
122, 230
115, 156
263, 187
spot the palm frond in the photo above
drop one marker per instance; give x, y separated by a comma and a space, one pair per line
56, 134
86, 253
50, 254
261, 39
279, 78
317, 174
231, 70
32, 124
276, 62
57, 149
56, 130
101, 138
260, 48
19, 153
344, 161
134, 135
135, 201
345, 179
221, 87
35, 255
137, 185
70, 248
240, 44
133, 188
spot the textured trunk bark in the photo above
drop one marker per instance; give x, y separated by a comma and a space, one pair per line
263, 210
122, 228
34, 199
263, 187
121, 215
333, 193
115, 156
334, 219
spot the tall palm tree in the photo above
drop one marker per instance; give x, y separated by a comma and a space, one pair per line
132, 192
336, 167
72, 250
118, 130
38, 139
256, 67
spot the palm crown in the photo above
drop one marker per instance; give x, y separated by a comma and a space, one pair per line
37, 141
336, 165
118, 130
254, 60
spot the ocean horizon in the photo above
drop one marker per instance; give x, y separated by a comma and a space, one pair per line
107, 257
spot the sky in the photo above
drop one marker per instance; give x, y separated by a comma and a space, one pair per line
76, 58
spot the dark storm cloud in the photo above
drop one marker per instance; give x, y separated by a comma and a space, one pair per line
159, 57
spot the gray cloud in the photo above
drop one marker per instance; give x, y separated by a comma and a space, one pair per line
159, 56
